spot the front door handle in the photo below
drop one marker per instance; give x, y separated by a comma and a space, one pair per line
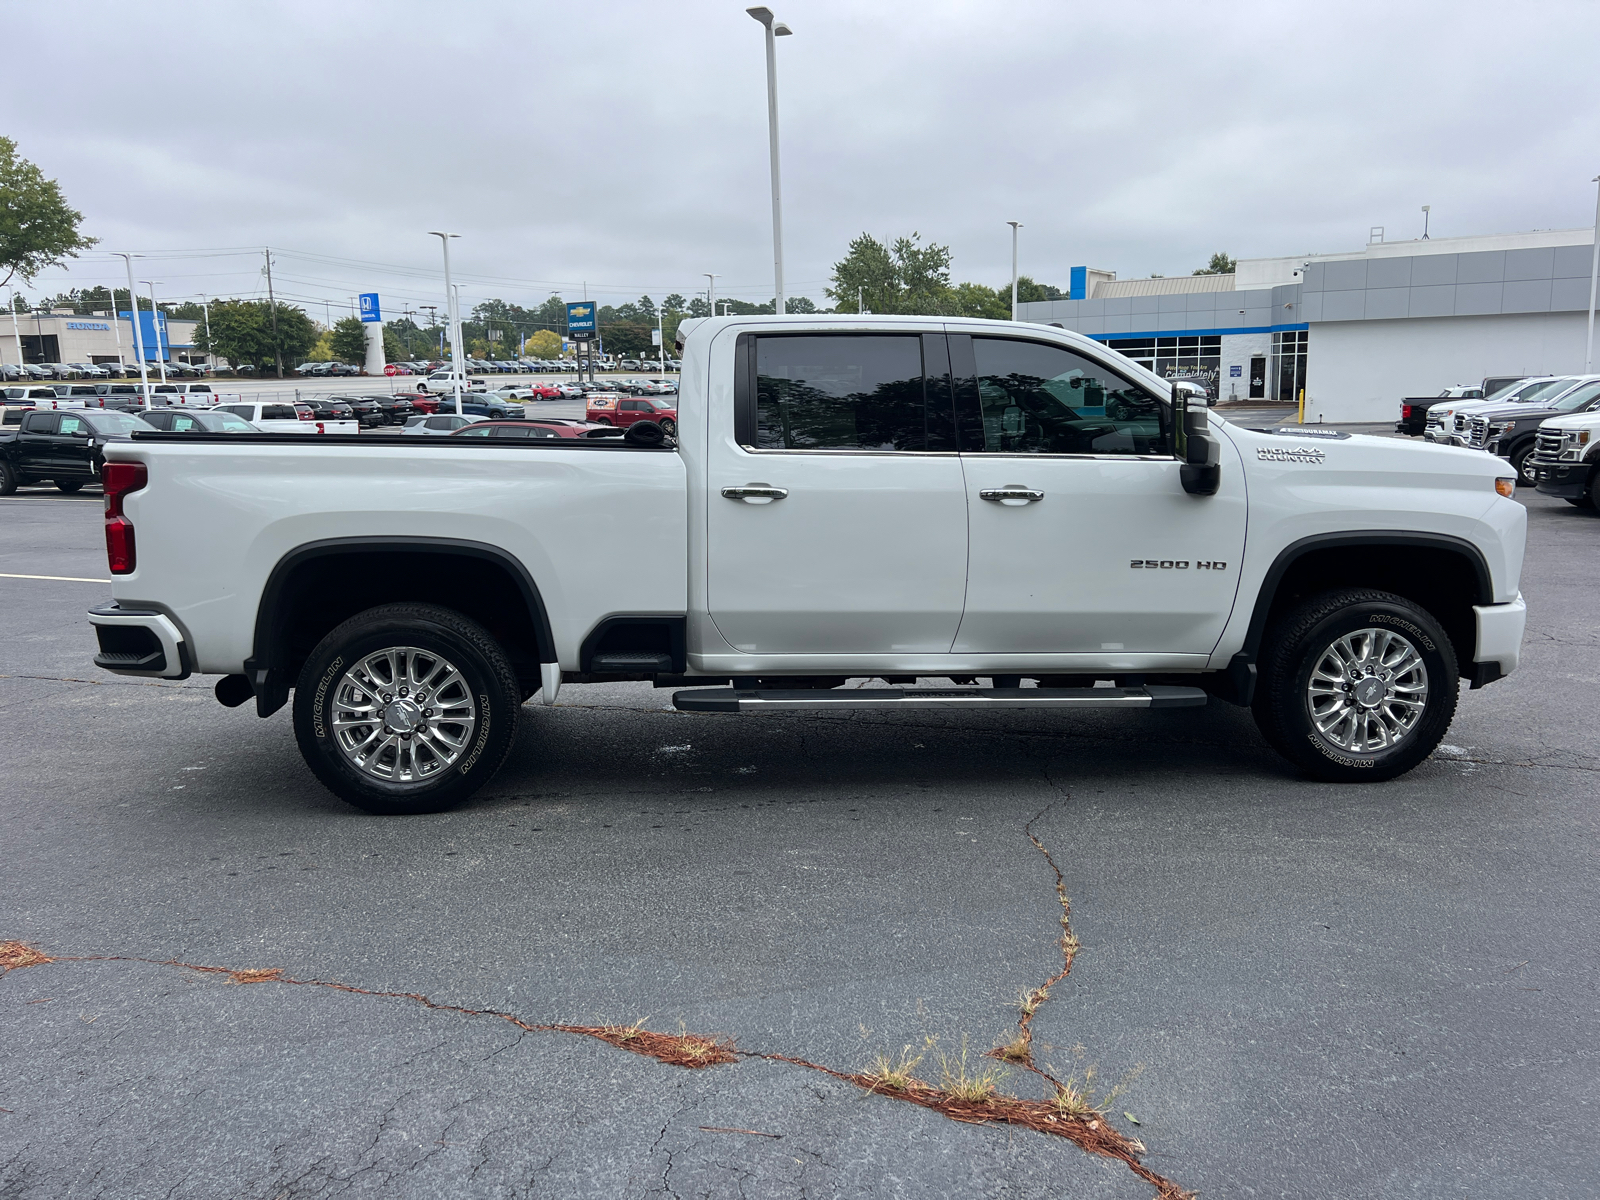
1012, 494
755, 493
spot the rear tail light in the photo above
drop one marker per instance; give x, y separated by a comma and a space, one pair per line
117, 479
1405, 412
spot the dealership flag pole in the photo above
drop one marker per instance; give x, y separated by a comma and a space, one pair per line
1594, 277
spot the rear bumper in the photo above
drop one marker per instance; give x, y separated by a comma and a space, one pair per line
139, 642
1499, 649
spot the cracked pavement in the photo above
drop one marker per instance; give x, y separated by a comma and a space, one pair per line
1374, 991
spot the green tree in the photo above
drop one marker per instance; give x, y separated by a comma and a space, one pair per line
38, 229
241, 332
977, 300
394, 350
1220, 264
544, 343
348, 337
865, 277
1029, 292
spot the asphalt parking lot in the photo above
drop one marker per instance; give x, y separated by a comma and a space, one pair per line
1384, 990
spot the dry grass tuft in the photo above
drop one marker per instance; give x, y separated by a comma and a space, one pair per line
688, 1050
966, 1082
257, 975
20, 954
894, 1075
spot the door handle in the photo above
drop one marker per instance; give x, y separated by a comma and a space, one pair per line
1012, 493
755, 493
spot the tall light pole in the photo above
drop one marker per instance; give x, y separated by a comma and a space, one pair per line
711, 290
155, 327
775, 29
450, 314
1015, 225
138, 337
1426, 209
205, 309
1594, 278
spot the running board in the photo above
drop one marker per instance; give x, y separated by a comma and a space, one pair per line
741, 700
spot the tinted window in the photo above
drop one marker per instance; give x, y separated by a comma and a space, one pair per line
39, 422
279, 412
441, 423
1041, 399
238, 410
839, 393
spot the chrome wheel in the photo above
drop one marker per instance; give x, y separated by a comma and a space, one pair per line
1367, 691
403, 714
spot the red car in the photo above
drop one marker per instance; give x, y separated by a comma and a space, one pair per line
542, 427
625, 410
545, 391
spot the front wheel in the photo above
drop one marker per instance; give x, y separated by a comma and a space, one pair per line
8, 479
406, 708
1356, 685
669, 427
1522, 464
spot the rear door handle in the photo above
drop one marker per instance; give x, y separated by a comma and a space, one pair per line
755, 493
1012, 493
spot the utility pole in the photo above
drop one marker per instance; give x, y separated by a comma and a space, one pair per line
1594, 278
205, 309
272, 305
1015, 225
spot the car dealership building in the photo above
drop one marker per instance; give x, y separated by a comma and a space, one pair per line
1356, 331
63, 336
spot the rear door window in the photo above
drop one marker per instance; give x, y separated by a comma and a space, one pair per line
279, 412
840, 392
39, 422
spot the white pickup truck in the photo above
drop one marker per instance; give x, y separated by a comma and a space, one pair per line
1007, 508
284, 417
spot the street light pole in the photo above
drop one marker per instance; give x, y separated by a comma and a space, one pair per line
1426, 209
1594, 278
774, 30
155, 327
1015, 225
451, 316
711, 290
138, 337
205, 309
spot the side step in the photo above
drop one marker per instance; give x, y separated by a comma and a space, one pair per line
740, 700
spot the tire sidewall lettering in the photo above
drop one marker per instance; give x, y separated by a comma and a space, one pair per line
1401, 623
320, 700
483, 736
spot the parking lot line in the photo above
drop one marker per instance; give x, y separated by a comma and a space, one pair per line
54, 578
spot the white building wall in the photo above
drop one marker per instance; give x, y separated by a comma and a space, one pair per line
1360, 370
1237, 350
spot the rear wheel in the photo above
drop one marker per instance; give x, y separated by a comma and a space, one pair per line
1356, 685
406, 708
669, 427
8, 479
68, 486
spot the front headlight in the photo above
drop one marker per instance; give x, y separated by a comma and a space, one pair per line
1498, 427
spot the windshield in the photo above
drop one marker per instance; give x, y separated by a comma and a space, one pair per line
1535, 391
662, 404
1578, 397
225, 422
112, 423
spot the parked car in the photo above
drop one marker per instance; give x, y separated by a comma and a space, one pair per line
397, 369
196, 420
1566, 458
1510, 431
513, 391
438, 424
444, 382
271, 417
67, 448
328, 408
90, 371
540, 427
623, 412
1339, 586
568, 391
1414, 409
1447, 420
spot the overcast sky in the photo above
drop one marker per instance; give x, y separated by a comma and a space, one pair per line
623, 142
